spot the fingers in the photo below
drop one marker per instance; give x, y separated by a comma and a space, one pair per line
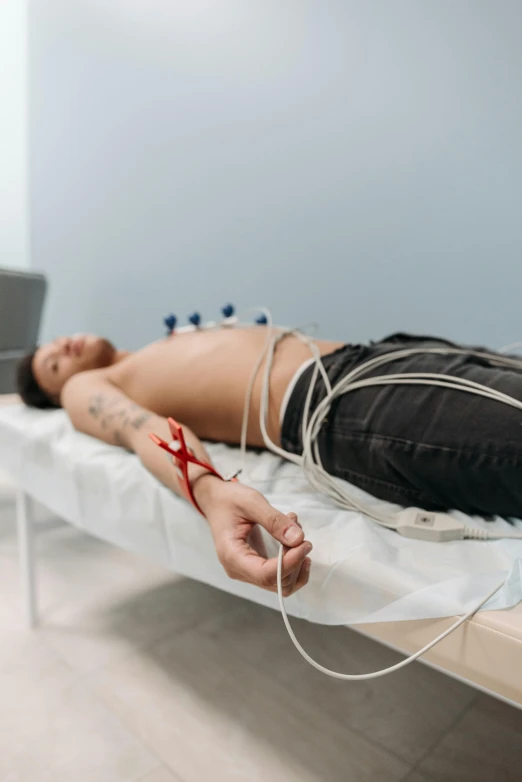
283, 527
241, 549
255, 540
298, 579
304, 574
293, 560
244, 564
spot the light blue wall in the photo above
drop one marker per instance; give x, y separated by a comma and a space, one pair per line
356, 163
14, 216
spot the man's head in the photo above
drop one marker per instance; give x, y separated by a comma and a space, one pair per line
43, 373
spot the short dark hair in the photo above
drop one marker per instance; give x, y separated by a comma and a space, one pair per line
28, 388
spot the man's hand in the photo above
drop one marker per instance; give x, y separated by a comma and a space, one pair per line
233, 512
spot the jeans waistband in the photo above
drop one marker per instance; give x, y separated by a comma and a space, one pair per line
335, 364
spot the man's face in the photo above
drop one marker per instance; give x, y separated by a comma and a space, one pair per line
56, 362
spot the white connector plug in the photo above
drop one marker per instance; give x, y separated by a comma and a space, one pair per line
426, 525
439, 527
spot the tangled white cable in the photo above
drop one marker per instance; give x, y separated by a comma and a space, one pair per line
310, 459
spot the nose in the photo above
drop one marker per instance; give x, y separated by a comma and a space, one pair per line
64, 345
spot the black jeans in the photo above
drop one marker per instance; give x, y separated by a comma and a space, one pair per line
427, 446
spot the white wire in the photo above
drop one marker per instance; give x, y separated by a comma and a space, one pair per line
479, 533
311, 462
314, 471
250, 387
512, 346
269, 349
384, 671
310, 459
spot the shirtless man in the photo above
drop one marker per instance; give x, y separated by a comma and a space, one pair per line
200, 378
431, 447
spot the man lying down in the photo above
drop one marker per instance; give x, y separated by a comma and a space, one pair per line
427, 446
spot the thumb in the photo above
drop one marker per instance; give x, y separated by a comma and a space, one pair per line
283, 527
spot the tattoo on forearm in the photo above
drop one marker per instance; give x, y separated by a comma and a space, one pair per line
138, 422
118, 440
117, 413
96, 405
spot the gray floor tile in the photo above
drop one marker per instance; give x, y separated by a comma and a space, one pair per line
161, 774
417, 776
210, 715
406, 711
484, 746
99, 603
52, 729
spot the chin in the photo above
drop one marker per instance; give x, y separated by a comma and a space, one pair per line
103, 353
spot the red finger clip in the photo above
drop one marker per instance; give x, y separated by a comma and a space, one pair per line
183, 457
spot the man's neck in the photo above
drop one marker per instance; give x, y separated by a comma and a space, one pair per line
120, 355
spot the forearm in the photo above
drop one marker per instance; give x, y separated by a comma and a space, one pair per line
159, 463
99, 408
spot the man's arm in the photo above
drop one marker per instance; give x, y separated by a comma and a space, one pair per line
99, 408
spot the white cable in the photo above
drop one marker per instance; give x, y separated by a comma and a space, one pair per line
311, 462
478, 533
314, 471
384, 671
512, 346
250, 387
310, 459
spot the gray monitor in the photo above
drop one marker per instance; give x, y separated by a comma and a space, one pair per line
22, 296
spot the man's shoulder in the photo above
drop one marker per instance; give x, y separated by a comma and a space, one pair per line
84, 380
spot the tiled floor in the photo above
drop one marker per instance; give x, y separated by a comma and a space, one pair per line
136, 675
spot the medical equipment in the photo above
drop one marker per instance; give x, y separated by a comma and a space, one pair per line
194, 321
183, 456
409, 522
170, 322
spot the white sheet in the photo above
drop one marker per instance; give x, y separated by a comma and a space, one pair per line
361, 572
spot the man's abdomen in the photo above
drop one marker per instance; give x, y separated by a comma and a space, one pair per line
201, 379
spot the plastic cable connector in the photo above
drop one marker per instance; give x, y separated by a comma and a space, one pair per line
426, 525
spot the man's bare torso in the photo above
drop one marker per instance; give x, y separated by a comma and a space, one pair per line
201, 377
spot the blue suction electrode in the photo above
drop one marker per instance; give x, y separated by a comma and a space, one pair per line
170, 322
